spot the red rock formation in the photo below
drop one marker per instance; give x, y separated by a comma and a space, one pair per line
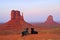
21, 17
50, 20
17, 21
17, 15
13, 15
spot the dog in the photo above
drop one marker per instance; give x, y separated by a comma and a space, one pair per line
25, 32
33, 31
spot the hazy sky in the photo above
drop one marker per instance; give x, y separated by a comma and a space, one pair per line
34, 10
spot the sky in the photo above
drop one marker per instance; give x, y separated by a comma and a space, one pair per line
33, 10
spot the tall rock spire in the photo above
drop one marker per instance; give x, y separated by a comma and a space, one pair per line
17, 14
22, 14
21, 17
13, 15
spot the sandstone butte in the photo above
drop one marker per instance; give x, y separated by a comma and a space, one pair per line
16, 22
50, 20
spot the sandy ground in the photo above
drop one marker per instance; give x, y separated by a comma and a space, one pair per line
31, 37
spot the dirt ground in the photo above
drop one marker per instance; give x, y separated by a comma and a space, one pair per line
31, 37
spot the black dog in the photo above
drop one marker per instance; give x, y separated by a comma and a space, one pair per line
33, 31
25, 32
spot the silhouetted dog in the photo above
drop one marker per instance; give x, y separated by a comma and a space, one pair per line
25, 32
33, 31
